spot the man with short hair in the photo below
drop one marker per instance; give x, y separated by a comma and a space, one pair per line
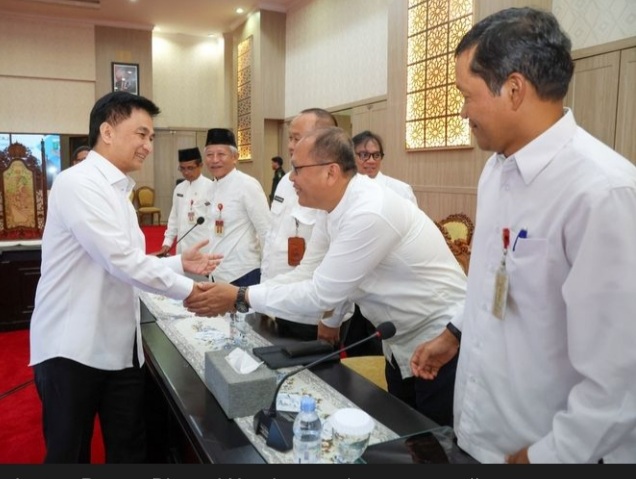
382, 252
547, 357
191, 200
240, 210
291, 227
277, 166
86, 348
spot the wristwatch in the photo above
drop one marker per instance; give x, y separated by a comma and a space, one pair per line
240, 304
454, 331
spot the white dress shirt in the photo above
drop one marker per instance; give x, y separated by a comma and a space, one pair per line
190, 201
288, 219
388, 257
401, 188
246, 217
557, 373
93, 261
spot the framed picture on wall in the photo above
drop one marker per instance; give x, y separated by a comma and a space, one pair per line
126, 77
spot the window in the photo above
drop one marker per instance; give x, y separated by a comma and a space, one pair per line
433, 103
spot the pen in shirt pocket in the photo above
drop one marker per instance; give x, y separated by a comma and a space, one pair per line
523, 233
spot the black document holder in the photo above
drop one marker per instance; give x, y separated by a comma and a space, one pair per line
435, 446
275, 357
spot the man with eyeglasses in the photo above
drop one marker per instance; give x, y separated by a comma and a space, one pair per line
382, 252
191, 200
369, 153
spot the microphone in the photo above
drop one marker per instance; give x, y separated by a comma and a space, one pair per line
200, 221
278, 430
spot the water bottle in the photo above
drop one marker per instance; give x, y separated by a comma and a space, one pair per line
307, 433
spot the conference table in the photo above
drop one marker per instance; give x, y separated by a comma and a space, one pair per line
187, 424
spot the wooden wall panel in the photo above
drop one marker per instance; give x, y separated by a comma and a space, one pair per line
625, 118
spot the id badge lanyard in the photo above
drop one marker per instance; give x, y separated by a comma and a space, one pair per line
500, 295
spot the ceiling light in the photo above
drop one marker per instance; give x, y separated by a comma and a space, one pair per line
239, 10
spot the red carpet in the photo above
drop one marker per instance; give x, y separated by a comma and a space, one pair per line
21, 440
154, 238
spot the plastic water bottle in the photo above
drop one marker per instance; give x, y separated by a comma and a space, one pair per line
307, 433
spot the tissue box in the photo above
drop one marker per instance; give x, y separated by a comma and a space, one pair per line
238, 394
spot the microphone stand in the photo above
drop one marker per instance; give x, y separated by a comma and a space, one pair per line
200, 221
277, 429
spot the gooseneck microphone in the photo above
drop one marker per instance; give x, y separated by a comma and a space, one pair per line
200, 221
278, 430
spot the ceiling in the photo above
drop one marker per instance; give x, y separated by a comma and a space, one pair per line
190, 17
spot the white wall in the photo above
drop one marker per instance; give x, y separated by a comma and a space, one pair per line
336, 53
594, 22
47, 75
188, 81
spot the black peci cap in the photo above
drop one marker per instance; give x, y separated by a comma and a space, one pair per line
220, 136
189, 154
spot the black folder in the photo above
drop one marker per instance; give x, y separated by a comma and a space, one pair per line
297, 354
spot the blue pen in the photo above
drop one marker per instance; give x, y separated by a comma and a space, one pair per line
523, 233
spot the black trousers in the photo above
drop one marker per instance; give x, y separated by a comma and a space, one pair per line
72, 394
360, 328
249, 279
433, 398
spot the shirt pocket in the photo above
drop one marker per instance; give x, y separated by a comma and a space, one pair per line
528, 269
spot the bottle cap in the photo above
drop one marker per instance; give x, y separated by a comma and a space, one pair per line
307, 403
352, 421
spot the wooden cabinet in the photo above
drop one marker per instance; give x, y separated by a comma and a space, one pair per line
603, 98
19, 276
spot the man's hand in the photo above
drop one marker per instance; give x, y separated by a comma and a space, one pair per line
430, 356
331, 335
519, 457
211, 299
196, 262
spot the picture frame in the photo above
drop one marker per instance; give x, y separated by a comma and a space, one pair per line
125, 77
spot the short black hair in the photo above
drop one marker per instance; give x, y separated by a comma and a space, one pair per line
528, 41
115, 107
364, 136
278, 160
78, 150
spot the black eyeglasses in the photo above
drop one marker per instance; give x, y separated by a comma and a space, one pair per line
296, 169
365, 155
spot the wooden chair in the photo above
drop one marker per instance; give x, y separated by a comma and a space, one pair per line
459, 246
459, 226
369, 367
23, 194
146, 205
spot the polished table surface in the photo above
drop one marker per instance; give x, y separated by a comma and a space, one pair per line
217, 439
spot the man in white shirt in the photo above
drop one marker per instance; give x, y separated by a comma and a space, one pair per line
291, 226
547, 359
382, 252
369, 153
240, 210
191, 200
86, 348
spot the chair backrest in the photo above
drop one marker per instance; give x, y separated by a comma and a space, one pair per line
145, 196
459, 226
459, 247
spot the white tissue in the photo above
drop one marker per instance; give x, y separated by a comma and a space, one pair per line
242, 362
